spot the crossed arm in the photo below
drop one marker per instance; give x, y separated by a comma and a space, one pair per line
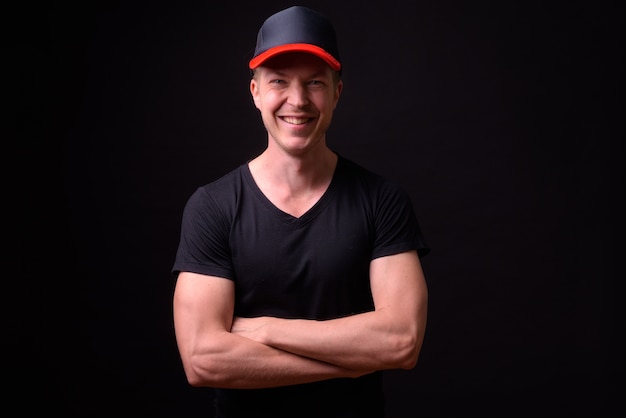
218, 350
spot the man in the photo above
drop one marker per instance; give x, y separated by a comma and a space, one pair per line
299, 277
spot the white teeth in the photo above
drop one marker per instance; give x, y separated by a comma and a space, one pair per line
295, 121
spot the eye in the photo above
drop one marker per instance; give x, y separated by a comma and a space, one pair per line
277, 81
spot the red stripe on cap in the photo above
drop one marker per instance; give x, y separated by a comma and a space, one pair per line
281, 49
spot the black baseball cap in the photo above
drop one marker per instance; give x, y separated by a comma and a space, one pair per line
297, 29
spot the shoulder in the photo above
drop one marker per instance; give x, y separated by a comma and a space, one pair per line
226, 183
218, 195
223, 187
364, 178
349, 169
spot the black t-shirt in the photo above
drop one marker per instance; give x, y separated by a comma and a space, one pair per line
315, 266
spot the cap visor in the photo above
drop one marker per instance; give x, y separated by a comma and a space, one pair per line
281, 49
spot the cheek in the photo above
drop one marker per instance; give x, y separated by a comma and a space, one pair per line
268, 102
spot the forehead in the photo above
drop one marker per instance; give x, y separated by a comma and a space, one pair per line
298, 62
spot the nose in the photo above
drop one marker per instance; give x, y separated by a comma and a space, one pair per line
298, 95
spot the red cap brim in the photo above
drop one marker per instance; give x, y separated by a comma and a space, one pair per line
281, 49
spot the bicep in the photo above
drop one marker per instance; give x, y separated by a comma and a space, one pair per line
202, 305
398, 286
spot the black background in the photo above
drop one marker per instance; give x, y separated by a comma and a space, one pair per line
499, 118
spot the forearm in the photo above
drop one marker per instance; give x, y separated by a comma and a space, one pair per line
367, 341
232, 361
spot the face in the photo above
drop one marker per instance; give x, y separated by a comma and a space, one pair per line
296, 94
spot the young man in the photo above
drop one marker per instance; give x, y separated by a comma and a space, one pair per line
299, 277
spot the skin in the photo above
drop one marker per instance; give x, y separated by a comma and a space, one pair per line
296, 95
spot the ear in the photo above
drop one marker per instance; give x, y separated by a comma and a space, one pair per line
338, 90
254, 91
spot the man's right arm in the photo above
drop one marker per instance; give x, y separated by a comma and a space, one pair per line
213, 356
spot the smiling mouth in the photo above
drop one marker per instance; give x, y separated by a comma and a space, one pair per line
295, 121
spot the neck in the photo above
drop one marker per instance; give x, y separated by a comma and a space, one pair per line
295, 174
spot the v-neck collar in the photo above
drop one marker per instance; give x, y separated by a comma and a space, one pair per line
285, 217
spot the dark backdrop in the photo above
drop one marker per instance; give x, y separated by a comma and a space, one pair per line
499, 118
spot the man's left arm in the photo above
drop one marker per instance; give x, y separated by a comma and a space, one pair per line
388, 337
